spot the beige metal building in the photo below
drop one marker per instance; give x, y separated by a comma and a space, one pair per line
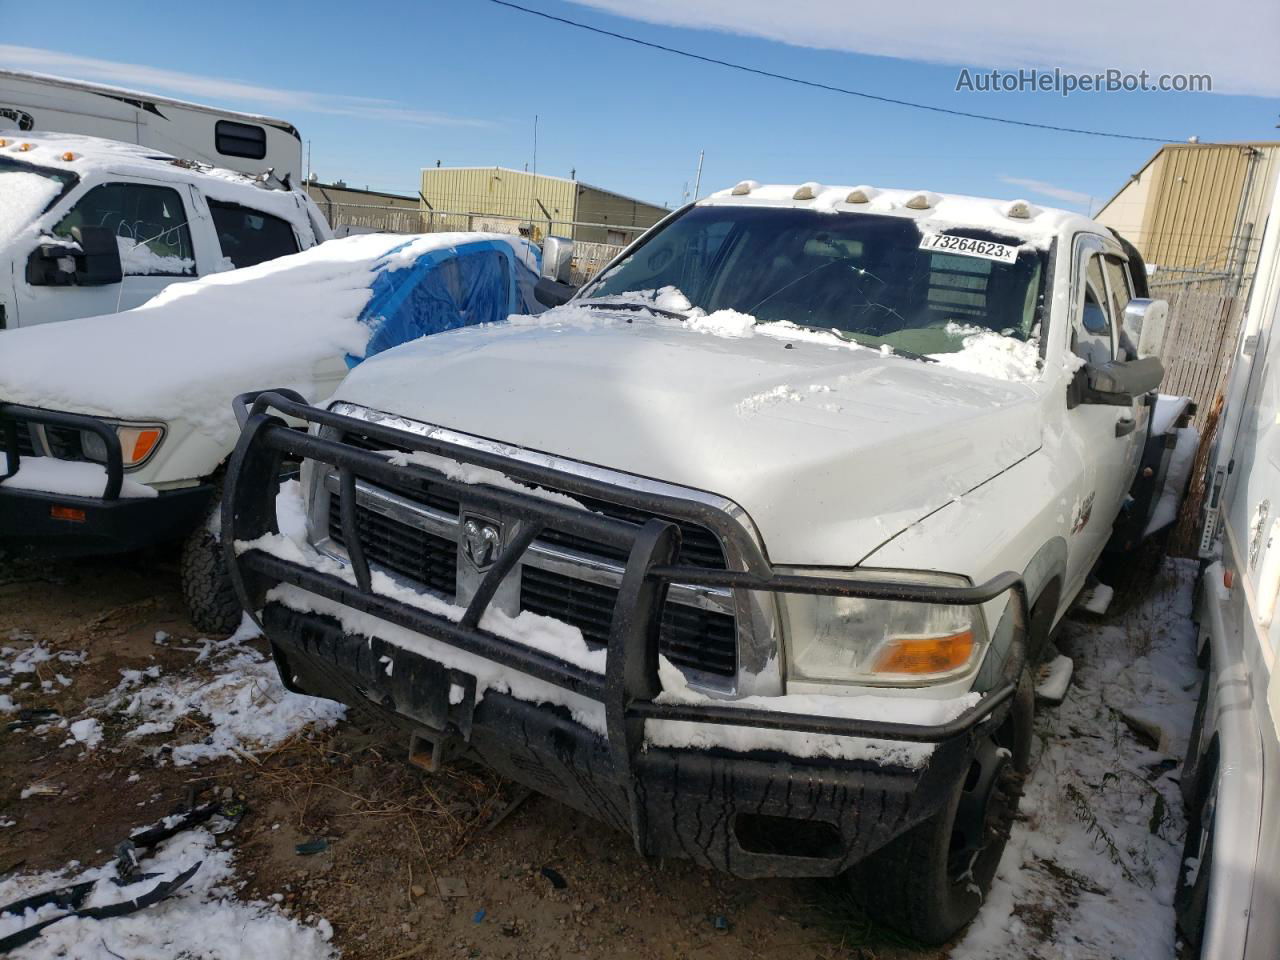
350, 210
1198, 207
511, 201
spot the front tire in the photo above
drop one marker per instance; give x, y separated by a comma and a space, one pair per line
932, 880
206, 585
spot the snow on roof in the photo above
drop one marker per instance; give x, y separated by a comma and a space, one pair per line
95, 157
932, 211
90, 154
190, 349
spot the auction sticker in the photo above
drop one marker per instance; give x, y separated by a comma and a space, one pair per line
969, 247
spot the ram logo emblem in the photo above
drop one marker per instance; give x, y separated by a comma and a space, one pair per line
481, 542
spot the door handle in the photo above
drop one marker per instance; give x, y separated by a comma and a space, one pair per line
1125, 425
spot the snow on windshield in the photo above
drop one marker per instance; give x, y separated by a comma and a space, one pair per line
25, 196
991, 354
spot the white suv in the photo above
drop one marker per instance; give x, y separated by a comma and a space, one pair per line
749, 548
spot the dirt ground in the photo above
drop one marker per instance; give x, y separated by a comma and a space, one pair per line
526, 877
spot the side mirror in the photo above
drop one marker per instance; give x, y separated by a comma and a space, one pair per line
52, 265
90, 258
557, 258
99, 262
1143, 326
1119, 382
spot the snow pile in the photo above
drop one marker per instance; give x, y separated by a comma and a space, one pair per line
240, 708
25, 195
185, 353
1095, 858
202, 919
72, 478
136, 258
681, 734
724, 323
87, 732
991, 354
769, 398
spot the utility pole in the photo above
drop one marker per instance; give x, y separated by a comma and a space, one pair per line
697, 186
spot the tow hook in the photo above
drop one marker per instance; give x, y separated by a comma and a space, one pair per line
430, 750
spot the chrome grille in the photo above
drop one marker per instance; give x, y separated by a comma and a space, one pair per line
692, 636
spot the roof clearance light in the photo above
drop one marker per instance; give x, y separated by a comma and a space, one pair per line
807, 191
1018, 210
743, 188
921, 201
68, 156
26, 146
858, 195
3, 142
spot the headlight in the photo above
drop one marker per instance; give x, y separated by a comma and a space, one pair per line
137, 443
844, 640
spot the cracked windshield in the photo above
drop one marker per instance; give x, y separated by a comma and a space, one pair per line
868, 278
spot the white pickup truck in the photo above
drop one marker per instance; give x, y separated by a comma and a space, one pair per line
750, 548
90, 227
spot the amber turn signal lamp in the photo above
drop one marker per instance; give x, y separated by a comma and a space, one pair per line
66, 513
926, 655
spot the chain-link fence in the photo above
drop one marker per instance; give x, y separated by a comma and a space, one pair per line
348, 218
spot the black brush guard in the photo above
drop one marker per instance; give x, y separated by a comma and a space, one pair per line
628, 687
14, 417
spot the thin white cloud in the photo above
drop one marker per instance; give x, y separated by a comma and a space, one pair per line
1073, 197
256, 97
1233, 40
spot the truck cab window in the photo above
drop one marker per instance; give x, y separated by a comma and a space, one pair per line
249, 237
150, 224
1121, 294
1091, 337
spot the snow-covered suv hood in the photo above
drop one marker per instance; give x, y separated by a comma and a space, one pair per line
830, 449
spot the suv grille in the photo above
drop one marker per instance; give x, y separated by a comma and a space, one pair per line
692, 637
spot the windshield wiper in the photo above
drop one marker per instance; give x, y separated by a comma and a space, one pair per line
853, 338
633, 305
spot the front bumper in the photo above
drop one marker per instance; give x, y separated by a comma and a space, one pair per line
102, 525
754, 813
27, 522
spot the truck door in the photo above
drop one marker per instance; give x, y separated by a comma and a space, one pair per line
1103, 437
150, 221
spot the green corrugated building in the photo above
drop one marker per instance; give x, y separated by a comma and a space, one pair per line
502, 200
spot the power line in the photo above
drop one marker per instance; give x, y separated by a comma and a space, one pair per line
826, 86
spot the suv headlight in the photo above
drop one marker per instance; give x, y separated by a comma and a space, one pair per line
137, 443
881, 642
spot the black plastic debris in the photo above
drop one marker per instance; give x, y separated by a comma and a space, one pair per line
310, 847
554, 876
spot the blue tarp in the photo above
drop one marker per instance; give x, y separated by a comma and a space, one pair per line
480, 281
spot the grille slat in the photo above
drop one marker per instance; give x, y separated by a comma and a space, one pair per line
690, 637
412, 553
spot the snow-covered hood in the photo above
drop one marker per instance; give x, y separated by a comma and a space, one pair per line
830, 449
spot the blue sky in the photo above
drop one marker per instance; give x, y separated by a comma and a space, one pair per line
383, 89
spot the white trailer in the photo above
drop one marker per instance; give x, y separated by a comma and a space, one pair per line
1231, 882
244, 142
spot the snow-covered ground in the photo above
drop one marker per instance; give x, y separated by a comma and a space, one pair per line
237, 703
203, 919
1091, 869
